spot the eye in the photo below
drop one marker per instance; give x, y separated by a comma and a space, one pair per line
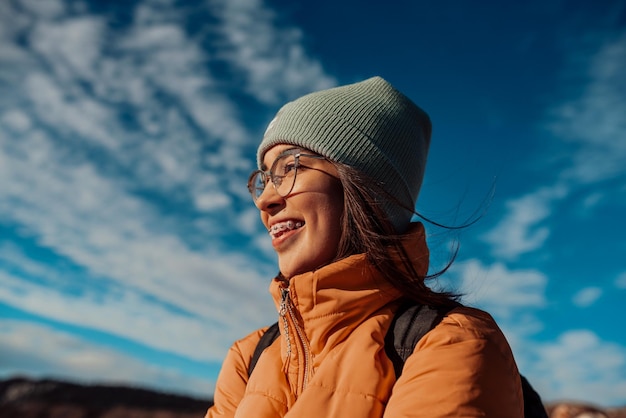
289, 167
285, 166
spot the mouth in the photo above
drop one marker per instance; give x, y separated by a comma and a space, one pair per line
280, 228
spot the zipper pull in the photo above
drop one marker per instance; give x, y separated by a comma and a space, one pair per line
284, 301
283, 311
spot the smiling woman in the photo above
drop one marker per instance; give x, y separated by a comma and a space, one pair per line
339, 174
305, 227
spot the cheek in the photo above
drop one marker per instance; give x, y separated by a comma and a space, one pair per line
330, 220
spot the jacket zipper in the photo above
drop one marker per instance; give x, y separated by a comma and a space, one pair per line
283, 315
286, 308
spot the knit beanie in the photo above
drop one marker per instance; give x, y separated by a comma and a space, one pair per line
370, 126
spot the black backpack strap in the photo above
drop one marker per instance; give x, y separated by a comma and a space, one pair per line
410, 323
266, 340
533, 406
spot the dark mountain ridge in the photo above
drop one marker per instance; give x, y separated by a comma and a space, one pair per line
22, 397
25, 398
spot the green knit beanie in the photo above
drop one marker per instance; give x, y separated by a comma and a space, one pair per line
370, 126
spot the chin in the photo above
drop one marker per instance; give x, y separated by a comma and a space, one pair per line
293, 264
288, 271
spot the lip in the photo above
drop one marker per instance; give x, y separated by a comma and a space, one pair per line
286, 236
281, 240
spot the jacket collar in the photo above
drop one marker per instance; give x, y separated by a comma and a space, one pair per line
332, 300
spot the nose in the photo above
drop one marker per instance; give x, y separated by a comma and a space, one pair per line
270, 201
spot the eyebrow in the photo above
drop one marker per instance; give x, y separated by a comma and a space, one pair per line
288, 151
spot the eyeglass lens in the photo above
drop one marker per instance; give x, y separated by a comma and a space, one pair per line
283, 176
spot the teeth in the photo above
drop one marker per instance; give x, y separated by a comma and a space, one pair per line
285, 226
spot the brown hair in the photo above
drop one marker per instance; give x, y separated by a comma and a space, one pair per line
366, 229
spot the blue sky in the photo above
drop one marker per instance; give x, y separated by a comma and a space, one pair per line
130, 251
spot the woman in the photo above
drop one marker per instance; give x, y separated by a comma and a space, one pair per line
340, 172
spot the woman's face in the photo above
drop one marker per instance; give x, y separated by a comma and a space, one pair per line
304, 225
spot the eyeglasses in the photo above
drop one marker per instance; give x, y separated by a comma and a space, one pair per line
282, 174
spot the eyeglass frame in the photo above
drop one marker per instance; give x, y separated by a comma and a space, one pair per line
269, 174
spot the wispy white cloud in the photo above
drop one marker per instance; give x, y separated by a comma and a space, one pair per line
500, 290
135, 315
592, 201
580, 366
161, 58
274, 61
16, 121
523, 229
69, 357
71, 45
594, 121
620, 281
77, 115
587, 296
51, 9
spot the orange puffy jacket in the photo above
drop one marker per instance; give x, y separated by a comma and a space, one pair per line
330, 359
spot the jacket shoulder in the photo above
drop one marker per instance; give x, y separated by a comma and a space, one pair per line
466, 366
465, 323
245, 346
233, 377
235, 365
